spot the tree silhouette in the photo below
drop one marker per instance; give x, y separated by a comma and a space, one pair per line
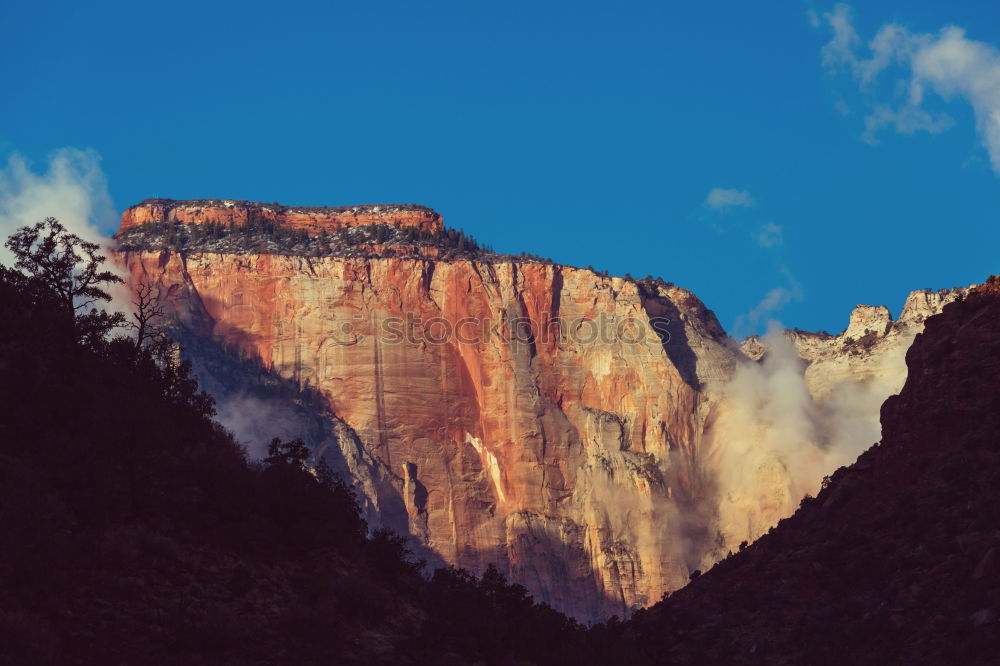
148, 314
70, 269
49, 252
294, 453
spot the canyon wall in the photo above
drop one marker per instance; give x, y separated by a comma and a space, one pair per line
597, 438
565, 454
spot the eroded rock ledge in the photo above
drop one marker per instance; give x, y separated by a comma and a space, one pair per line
312, 219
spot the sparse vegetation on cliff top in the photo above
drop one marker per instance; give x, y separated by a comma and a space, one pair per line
278, 207
267, 237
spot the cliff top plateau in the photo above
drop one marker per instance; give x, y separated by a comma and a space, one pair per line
224, 226
312, 219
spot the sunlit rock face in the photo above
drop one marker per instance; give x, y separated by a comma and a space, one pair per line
567, 455
595, 437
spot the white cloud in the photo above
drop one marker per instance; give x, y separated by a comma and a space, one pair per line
769, 235
892, 43
72, 189
953, 65
840, 49
773, 302
775, 299
721, 199
946, 64
905, 120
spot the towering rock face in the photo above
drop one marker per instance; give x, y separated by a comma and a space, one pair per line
564, 453
574, 429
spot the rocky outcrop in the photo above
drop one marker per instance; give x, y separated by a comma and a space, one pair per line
580, 431
312, 219
869, 350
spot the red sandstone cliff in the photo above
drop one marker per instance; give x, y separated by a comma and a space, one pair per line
562, 459
596, 460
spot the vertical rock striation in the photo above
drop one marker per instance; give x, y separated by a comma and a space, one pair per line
562, 454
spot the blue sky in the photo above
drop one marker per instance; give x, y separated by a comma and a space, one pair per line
592, 133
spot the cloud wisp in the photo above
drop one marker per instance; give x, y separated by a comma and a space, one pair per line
769, 235
72, 189
720, 199
723, 205
946, 64
772, 302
